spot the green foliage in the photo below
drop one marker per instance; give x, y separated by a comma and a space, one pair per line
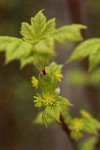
90, 48
14, 48
69, 33
37, 43
82, 78
88, 144
37, 47
84, 124
91, 125
39, 29
49, 98
39, 120
76, 126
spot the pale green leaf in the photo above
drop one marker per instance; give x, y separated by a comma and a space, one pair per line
91, 125
45, 47
39, 119
47, 83
55, 71
63, 101
27, 60
39, 28
27, 32
14, 48
52, 112
69, 33
53, 68
90, 48
49, 28
88, 144
94, 58
38, 24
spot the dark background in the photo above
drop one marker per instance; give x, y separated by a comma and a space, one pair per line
17, 132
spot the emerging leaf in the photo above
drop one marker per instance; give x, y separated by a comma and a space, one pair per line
91, 125
37, 46
69, 33
14, 48
39, 120
39, 28
47, 83
88, 144
90, 48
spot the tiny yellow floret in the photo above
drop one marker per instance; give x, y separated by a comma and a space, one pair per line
58, 76
34, 82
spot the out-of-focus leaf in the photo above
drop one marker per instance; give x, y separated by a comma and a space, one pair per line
90, 48
88, 144
69, 33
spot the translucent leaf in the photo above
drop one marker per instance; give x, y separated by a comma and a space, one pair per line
88, 144
27, 32
40, 55
55, 70
52, 112
38, 24
39, 119
27, 60
47, 83
39, 28
49, 28
94, 58
37, 46
63, 101
90, 48
69, 33
45, 47
14, 48
91, 125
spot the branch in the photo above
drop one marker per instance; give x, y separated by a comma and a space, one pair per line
64, 126
66, 129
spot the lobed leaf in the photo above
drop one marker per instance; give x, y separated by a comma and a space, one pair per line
47, 83
69, 33
39, 28
14, 48
90, 48
39, 119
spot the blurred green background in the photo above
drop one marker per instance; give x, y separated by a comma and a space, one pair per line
17, 132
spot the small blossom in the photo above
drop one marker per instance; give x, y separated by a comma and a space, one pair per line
48, 99
44, 99
38, 100
34, 82
58, 76
76, 127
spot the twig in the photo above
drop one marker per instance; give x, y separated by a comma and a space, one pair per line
66, 129
64, 126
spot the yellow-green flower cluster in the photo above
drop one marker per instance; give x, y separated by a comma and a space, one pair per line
76, 127
44, 99
35, 82
58, 76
